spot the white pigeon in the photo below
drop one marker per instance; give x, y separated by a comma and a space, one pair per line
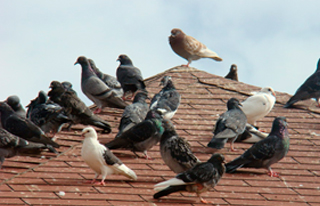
100, 159
259, 105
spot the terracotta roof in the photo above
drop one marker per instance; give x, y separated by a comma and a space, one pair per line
60, 180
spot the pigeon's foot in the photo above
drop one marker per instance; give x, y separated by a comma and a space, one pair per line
273, 174
100, 183
204, 201
232, 148
185, 65
97, 111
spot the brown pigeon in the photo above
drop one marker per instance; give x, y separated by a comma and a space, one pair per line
189, 48
233, 73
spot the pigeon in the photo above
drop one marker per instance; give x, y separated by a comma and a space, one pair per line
200, 178
14, 102
251, 135
189, 48
176, 151
109, 80
259, 105
130, 77
96, 90
23, 127
68, 87
47, 115
140, 137
75, 109
229, 125
12, 145
167, 100
308, 90
100, 159
265, 152
233, 73
134, 113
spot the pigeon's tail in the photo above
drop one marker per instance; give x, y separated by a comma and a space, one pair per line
117, 143
98, 122
169, 190
31, 148
126, 171
45, 140
234, 165
217, 58
217, 143
291, 101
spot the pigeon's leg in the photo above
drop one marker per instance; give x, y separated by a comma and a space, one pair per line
232, 147
271, 173
97, 111
147, 156
203, 200
101, 183
1, 162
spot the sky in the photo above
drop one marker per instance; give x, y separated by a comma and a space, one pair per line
274, 43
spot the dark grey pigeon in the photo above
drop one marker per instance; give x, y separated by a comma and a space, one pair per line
14, 102
96, 90
11, 145
76, 110
201, 178
265, 152
22, 127
129, 76
233, 73
176, 151
229, 125
167, 100
68, 86
308, 90
109, 80
134, 113
47, 115
140, 137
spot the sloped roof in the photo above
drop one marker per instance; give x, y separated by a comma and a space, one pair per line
60, 180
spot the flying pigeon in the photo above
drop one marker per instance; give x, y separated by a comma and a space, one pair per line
47, 115
233, 73
176, 151
109, 80
134, 113
129, 76
309, 89
23, 127
201, 178
14, 102
189, 48
140, 137
11, 145
259, 105
76, 110
251, 135
265, 152
96, 90
229, 125
100, 159
167, 100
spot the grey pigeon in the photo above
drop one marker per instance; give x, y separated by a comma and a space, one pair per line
201, 178
167, 100
47, 115
129, 76
189, 48
76, 110
233, 73
101, 159
11, 145
23, 127
308, 90
68, 86
141, 137
134, 113
265, 152
14, 102
176, 151
229, 125
109, 80
96, 90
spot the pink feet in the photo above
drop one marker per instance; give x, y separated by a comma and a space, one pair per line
273, 174
97, 111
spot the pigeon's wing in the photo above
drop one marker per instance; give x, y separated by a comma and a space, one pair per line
256, 105
264, 149
74, 105
170, 100
95, 87
308, 88
201, 173
140, 132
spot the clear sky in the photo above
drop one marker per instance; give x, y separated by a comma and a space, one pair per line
274, 43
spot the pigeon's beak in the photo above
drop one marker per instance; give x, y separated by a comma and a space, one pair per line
118, 59
274, 94
76, 63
